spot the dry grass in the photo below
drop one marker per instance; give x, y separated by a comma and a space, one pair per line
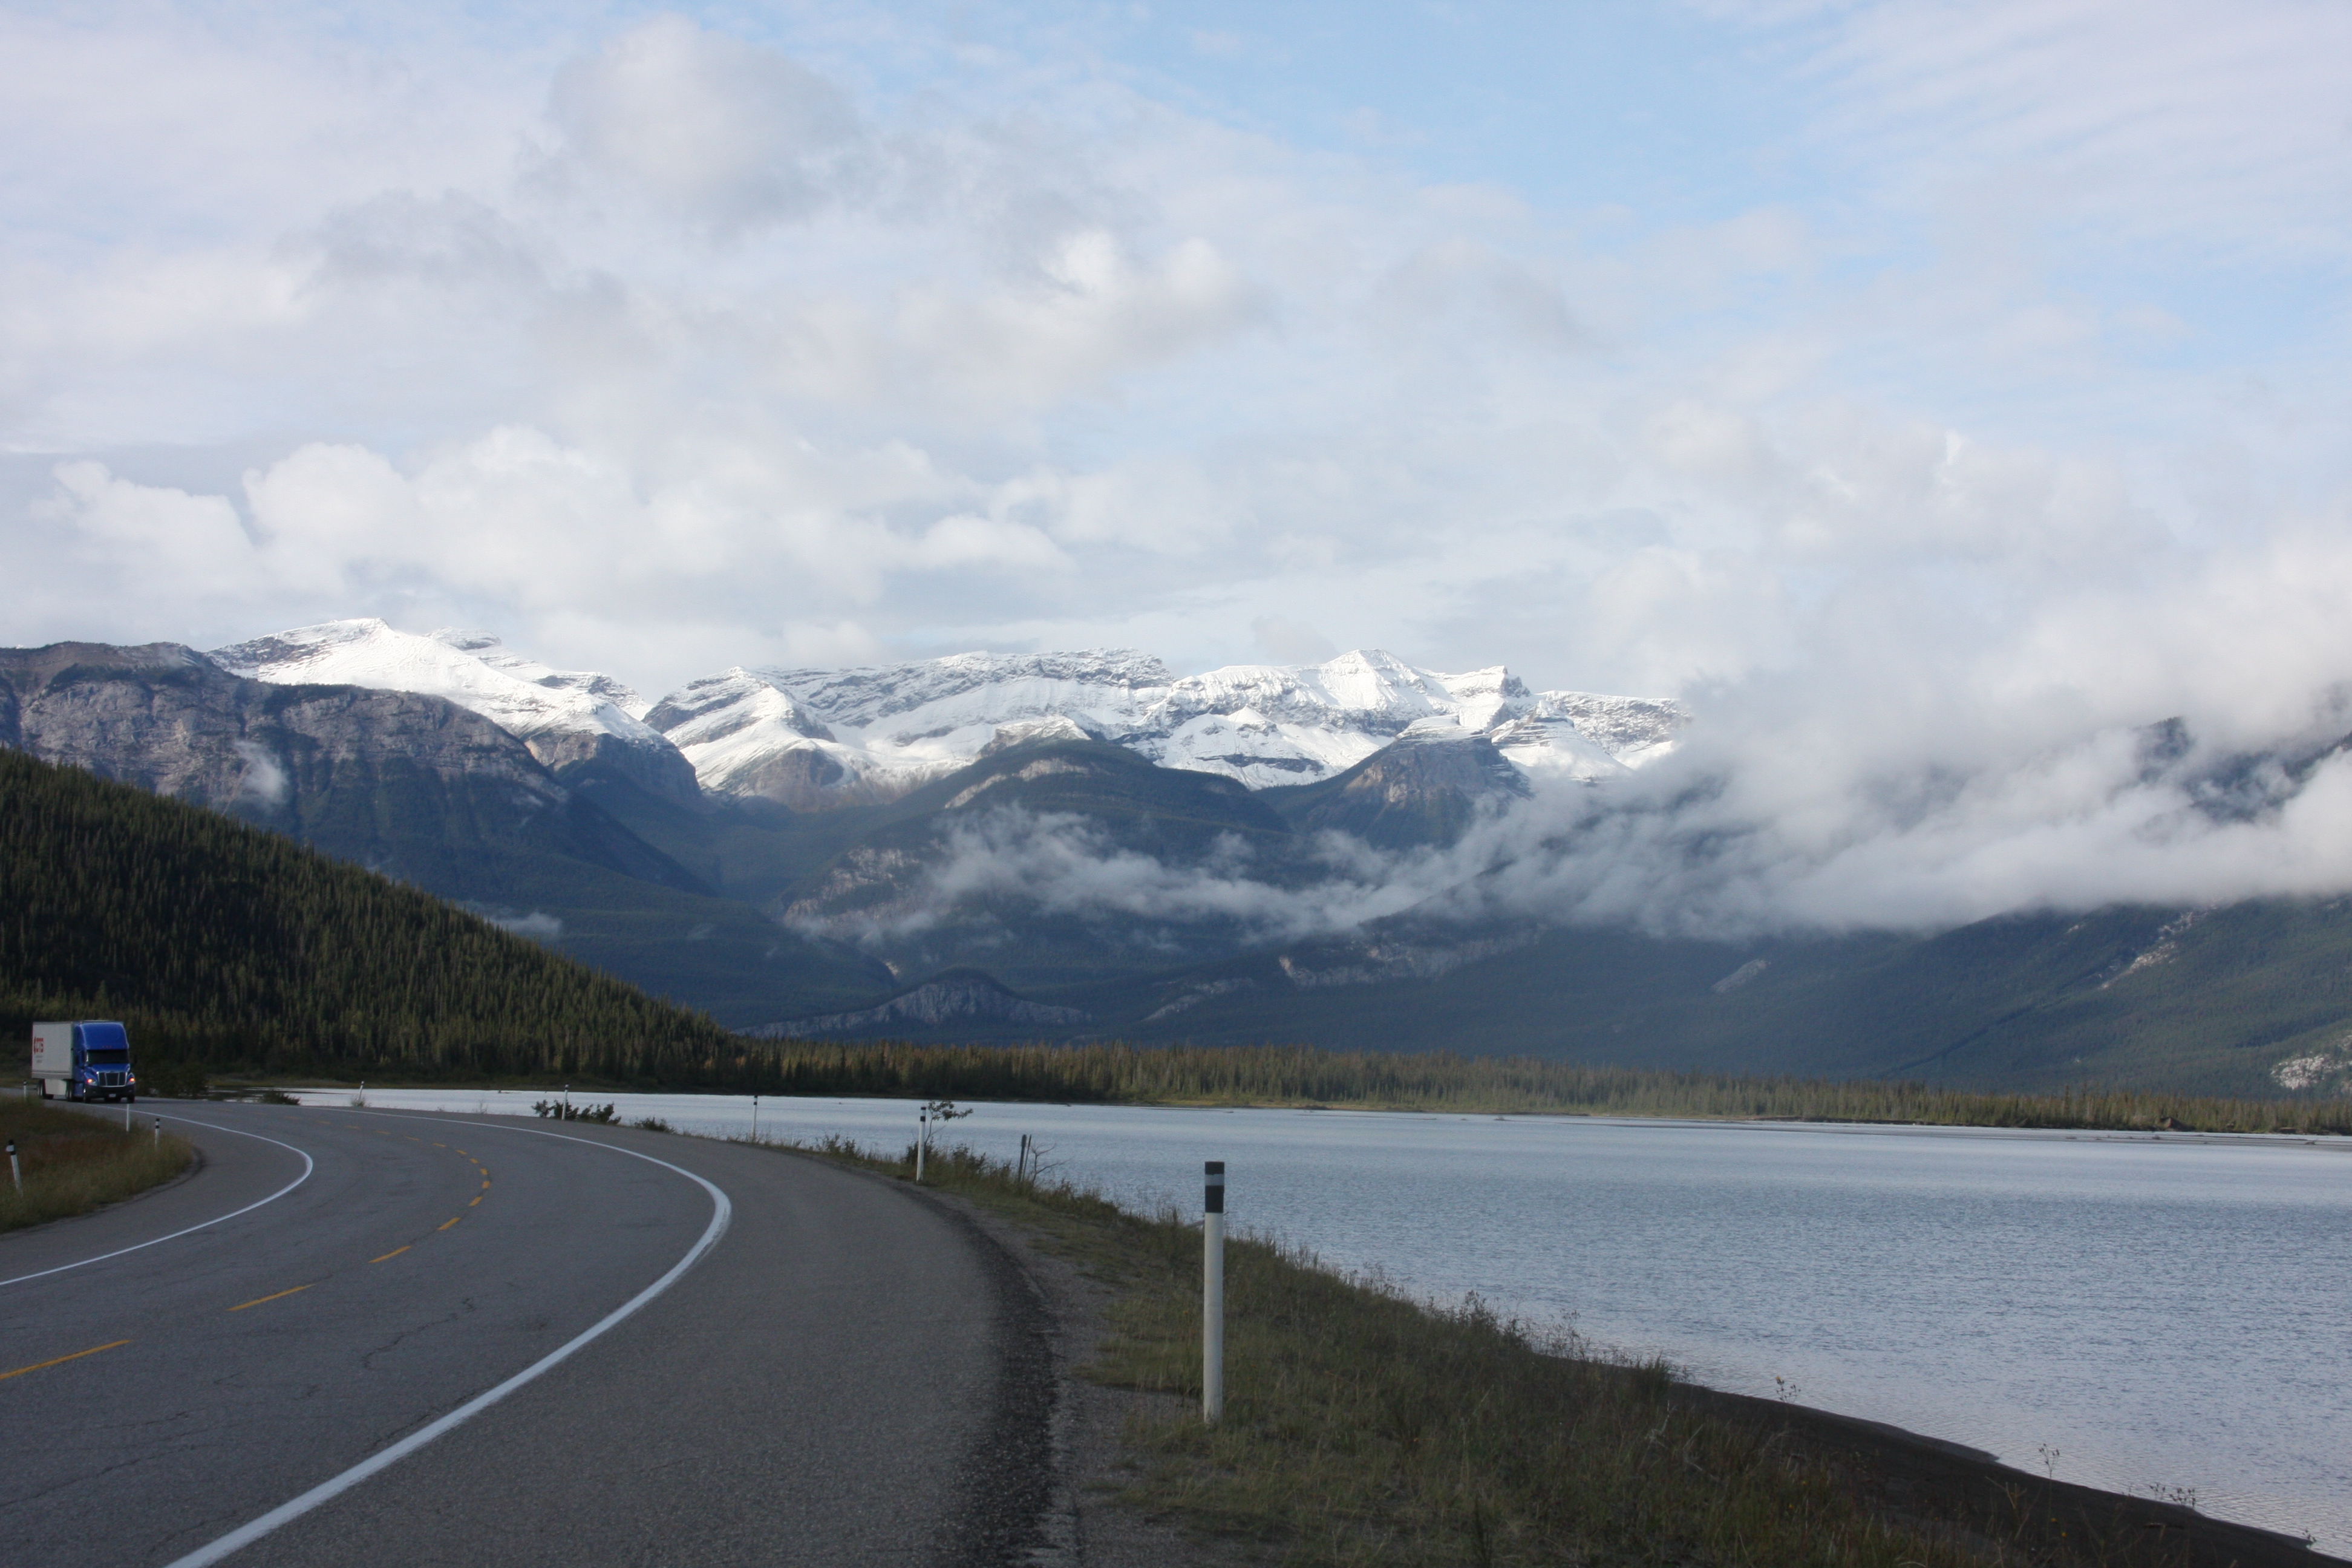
1365, 1428
74, 1162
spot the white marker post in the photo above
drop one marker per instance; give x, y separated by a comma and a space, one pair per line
14, 1174
922, 1141
755, 1118
159, 1133
1212, 1292
126, 1116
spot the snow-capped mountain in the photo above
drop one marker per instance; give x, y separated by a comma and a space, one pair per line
818, 739
811, 739
563, 716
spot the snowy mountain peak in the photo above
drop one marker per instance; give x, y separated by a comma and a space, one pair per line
818, 739
1004, 685
811, 739
472, 669
563, 716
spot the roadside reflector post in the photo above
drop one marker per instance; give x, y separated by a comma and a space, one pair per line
126, 1114
922, 1140
1212, 1292
159, 1133
755, 1118
14, 1174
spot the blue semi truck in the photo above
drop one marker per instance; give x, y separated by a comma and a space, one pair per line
88, 1060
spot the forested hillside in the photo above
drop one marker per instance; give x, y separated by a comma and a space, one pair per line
229, 945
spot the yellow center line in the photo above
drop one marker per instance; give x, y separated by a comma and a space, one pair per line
394, 1253
60, 1361
258, 1301
448, 1223
471, 1204
486, 1184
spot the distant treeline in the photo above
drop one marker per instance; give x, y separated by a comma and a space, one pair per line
1296, 1075
220, 943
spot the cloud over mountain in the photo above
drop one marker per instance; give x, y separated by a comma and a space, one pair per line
1935, 397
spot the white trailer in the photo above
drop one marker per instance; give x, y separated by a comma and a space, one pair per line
53, 1059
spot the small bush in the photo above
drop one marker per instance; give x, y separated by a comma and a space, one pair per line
605, 1115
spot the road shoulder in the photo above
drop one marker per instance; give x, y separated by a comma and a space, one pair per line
1083, 1520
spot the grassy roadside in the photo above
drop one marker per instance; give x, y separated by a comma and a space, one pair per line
74, 1162
1363, 1428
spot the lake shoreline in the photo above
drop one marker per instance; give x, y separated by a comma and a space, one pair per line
1930, 1477
1914, 1489
584, 1093
1927, 1277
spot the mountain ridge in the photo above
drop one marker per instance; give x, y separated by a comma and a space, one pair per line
811, 739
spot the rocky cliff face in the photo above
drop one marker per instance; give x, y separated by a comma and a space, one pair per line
406, 782
567, 718
1425, 788
166, 717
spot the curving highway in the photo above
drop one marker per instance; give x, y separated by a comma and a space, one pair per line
381, 1337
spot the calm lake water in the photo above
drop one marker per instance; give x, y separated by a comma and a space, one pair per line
2132, 1312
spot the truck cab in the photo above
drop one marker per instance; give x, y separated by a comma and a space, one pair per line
88, 1060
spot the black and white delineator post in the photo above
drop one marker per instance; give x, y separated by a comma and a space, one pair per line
922, 1141
1212, 1290
14, 1174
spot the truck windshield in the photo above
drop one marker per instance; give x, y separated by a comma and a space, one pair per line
114, 1059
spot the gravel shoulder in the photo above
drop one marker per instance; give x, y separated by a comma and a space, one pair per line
1083, 1521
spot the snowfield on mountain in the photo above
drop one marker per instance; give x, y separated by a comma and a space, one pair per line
808, 739
818, 739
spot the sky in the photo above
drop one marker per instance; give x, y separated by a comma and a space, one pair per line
1919, 390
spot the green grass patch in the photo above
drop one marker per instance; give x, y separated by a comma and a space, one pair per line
74, 1162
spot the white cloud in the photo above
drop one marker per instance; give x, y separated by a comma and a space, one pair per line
161, 534
675, 346
2135, 118
706, 128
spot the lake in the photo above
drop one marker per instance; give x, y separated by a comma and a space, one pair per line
2124, 1310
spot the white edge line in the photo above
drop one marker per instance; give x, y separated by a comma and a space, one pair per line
308, 1165
722, 1212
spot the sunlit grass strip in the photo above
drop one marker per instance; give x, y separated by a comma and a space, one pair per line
1299, 1075
73, 1162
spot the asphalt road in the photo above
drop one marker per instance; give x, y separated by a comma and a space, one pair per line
846, 1374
